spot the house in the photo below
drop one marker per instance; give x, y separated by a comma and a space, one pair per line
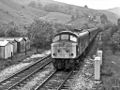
6, 49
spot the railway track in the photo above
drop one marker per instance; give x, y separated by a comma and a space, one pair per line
55, 81
19, 78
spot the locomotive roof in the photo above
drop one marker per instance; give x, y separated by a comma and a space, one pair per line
77, 32
68, 32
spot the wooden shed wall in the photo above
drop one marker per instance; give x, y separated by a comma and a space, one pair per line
8, 50
14, 47
21, 46
2, 52
27, 44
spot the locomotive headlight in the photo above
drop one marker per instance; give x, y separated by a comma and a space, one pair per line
67, 51
58, 50
54, 54
71, 54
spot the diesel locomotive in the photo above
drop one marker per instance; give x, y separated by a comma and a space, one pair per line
68, 46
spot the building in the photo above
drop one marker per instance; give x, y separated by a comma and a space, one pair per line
6, 49
20, 44
27, 43
12, 41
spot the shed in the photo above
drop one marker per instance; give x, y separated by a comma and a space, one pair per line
20, 44
6, 49
12, 41
27, 43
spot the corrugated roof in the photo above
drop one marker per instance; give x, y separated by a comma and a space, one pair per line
19, 39
3, 42
10, 39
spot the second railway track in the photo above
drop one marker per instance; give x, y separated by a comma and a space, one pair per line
18, 78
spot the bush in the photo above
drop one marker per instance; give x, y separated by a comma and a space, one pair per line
41, 33
12, 30
115, 41
12, 33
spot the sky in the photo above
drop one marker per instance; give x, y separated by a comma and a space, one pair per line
95, 4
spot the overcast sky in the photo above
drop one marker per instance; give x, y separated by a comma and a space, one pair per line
95, 4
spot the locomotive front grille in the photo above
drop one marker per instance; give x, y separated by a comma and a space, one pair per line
63, 52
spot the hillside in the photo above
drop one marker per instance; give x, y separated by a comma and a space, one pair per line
57, 17
115, 10
25, 11
11, 11
111, 16
43, 2
53, 6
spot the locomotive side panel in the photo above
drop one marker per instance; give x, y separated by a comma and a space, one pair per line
93, 33
83, 41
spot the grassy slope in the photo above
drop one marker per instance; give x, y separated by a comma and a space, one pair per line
57, 17
10, 11
115, 10
111, 16
14, 11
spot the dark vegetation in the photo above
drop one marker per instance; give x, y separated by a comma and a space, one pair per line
12, 30
111, 36
110, 72
41, 33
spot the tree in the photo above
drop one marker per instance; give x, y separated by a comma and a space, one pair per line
118, 22
86, 6
103, 19
115, 41
12, 33
2, 33
41, 33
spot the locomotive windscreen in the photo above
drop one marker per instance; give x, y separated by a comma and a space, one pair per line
64, 37
73, 38
56, 38
68, 37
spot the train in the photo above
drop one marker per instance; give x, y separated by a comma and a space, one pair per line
68, 46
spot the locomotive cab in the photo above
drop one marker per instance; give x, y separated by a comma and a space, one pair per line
64, 46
